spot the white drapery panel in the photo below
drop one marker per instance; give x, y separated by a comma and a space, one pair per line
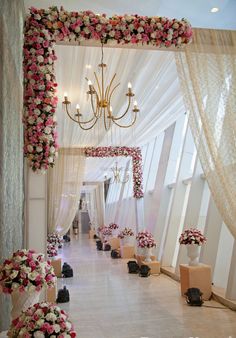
207, 70
95, 203
65, 181
92, 210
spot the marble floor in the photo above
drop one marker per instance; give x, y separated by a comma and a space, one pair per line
107, 302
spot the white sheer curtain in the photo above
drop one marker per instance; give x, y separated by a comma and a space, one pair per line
65, 181
207, 70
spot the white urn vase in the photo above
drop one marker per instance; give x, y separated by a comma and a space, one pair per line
21, 301
193, 252
147, 253
128, 240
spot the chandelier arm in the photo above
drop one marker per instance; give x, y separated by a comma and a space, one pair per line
109, 87
95, 112
126, 111
99, 88
107, 127
130, 125
81, 126
72, 118
85, 122
110, 95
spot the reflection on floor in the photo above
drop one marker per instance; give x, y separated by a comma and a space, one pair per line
107, 302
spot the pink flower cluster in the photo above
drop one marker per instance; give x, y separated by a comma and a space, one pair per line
26, 271
113, 226
106, 231
126, 232
145, 239
51, 250
192, 236
134, 152
42, 320
42, 29
55, 239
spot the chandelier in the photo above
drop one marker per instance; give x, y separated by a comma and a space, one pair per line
117, 175
100, 99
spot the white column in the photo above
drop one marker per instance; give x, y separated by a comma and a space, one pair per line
36, 211
180, 198
212, 232
193, 209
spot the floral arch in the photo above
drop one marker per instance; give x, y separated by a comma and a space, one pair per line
133, 152
44, 28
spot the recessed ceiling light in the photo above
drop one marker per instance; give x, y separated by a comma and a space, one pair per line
88, 66
214, 10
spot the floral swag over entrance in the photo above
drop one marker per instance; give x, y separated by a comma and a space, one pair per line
134, 152
43, 28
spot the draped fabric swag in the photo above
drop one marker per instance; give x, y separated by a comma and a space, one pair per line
207, 72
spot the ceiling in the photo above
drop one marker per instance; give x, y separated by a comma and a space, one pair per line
196, 11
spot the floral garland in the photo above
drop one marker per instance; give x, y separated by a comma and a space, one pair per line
126, 232
42, 320
26, 271
192, 236
145, 239
45, 27
134, 152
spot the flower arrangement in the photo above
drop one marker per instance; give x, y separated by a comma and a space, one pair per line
55, 239
100, 228
26, 271
145, 239
113, 226
126, 232
42, 320
42, 29
106, 231
192, 236
134, 152
51, 250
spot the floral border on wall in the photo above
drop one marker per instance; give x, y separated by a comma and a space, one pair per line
45, 27
134, 152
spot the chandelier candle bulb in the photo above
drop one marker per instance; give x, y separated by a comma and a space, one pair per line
77, 107
129, 85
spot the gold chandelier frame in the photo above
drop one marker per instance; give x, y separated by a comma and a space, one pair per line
100, 99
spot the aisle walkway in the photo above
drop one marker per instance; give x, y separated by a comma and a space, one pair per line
107, 302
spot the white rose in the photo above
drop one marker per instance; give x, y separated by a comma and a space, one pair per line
54, 118
68, 325
40, 322
159, 25
41, 87
37, 111
8, 266
169, 37
39, 312
112, 33
47, 130
48, 77
77, 29
50, 159
86, 30
52, 149
153, 35
140, 29
31, 288
31, 120
40, 58
98, 28
14, 286
26, 269
32, 81
39, 334
52, 317
30, 148
39, 149
56, 328
37, 17
32, 275
47, 108
175, 25
22, 332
